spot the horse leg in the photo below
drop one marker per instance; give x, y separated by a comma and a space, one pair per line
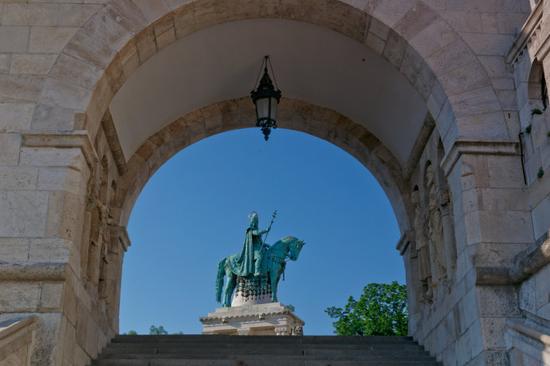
274, 284
230, 288
228, 291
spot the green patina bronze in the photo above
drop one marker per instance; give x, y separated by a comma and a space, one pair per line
259, 266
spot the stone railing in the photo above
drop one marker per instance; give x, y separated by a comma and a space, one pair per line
525, 265
16, 339
528, 342
531, 37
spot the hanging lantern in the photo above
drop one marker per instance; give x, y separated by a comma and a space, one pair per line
266, 98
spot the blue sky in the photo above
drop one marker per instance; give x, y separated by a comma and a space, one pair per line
193, 212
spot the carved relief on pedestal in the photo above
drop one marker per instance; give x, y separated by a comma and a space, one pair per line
435, 226
421, 247
434, 243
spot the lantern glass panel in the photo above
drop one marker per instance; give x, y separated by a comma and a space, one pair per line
262, 108
274, 105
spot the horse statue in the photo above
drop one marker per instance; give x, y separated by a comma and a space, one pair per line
272, 267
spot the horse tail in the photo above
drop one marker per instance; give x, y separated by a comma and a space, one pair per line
219, 280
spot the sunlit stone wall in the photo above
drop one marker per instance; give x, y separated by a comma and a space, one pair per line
66, 188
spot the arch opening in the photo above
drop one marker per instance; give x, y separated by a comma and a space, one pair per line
404, 42
323, 195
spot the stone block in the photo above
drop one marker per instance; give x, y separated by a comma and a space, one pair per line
19, 296
528, 295
68, 343
391, 11
463, 79
541, 217
59, 179
436, 101
5, 60
379, 29
493, 332
166, 38
503, 199
15, 116
80, 357
544, 312
49, 250
504, 171
498, 301
500, 227
49, 39
482, 100
456, 54
53, 118
152, 10
9, 148
464, 21
18, 178
52, 157
65, 216
146, 45
542, 287
433, 38
76, 72
51, 296
395, 49
23, 213
14, 250
65, 95
14, 39
70, 304
467, 311
48, 332
494, 254
38, 64
489, 44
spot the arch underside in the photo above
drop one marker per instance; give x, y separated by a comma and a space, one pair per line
236, 114
438, 72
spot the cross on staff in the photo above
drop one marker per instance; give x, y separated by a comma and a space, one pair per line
273, 216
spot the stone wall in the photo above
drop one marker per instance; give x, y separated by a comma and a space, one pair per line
66, 189
16, 340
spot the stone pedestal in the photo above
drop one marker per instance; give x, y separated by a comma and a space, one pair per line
258, 319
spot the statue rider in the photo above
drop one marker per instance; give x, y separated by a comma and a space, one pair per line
250, 260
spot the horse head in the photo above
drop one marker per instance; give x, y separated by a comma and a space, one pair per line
295, 247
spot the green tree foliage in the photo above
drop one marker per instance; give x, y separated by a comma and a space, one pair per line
381, 310
154, 330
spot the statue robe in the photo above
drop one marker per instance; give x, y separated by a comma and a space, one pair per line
252, 250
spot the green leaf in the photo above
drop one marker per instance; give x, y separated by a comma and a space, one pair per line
381, 310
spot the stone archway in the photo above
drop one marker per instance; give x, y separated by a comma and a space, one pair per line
410, 36
465, 140
236, 114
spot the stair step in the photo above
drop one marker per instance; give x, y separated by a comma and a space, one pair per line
260, 339
147, 348
321, 356
260, 362
201, 350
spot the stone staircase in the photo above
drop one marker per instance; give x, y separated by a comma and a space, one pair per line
219, 350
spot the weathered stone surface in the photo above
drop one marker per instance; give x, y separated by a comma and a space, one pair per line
72, 57
15, 116
23, 213
14, 39
9, 148
32, 64
49, 39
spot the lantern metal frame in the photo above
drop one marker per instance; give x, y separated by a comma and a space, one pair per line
266, 89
